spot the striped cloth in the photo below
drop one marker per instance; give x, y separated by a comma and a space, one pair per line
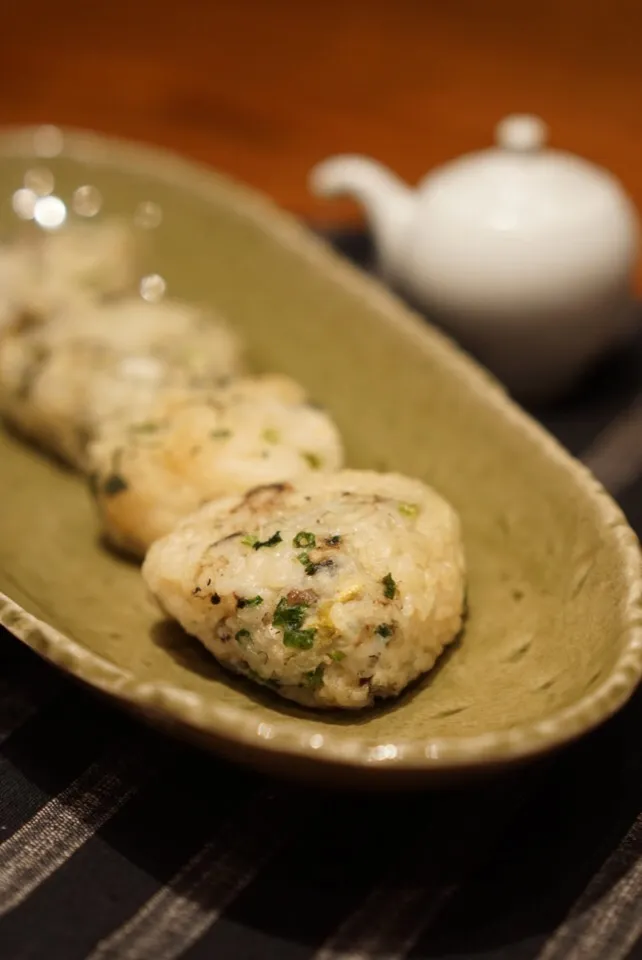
116, 844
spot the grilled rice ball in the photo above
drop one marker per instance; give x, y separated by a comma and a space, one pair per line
60, 380
191, 446
332, 590
44, 273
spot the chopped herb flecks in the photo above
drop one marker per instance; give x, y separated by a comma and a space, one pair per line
301, 639
256, 544
114, 484
314, 678
310, 566
313, 460
384, 630
304, 539
334, 540
290, 618
270, 542
271, 436
337, 655
243, 636
408, 509
389, 587
220, 434
289, 615
249, 602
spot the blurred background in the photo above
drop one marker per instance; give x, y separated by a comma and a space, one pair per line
264, 88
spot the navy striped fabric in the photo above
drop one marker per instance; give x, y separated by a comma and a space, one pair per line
117, 843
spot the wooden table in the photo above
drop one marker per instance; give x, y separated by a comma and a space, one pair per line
264, 88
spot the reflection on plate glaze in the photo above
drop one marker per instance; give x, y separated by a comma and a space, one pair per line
23, 202
385, 751
40, 180
152, 288
148, 215
49, 212
86, 201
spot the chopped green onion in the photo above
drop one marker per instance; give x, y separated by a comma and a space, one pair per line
300, 639
249, 602
304, 539
310, 566
256, 544
290, 617
314, 678
389, 587
271, 542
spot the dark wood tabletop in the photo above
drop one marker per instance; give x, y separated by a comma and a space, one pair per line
264, 88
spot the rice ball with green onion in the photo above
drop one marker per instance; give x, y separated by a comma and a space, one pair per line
42, 272
191, 446
59, 381
332, 590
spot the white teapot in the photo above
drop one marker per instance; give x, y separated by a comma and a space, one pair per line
524, 253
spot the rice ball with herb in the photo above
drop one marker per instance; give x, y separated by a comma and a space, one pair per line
59, 381
42, 273
95, 260
189, 446
332, 590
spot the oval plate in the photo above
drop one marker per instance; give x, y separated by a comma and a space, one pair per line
553, 643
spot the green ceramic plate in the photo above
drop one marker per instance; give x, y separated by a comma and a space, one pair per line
553, 644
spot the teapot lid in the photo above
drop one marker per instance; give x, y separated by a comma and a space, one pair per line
521, 133
520, 182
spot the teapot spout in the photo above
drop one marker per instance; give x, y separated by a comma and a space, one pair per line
388, 203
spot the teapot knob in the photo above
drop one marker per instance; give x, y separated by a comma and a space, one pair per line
521, 133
